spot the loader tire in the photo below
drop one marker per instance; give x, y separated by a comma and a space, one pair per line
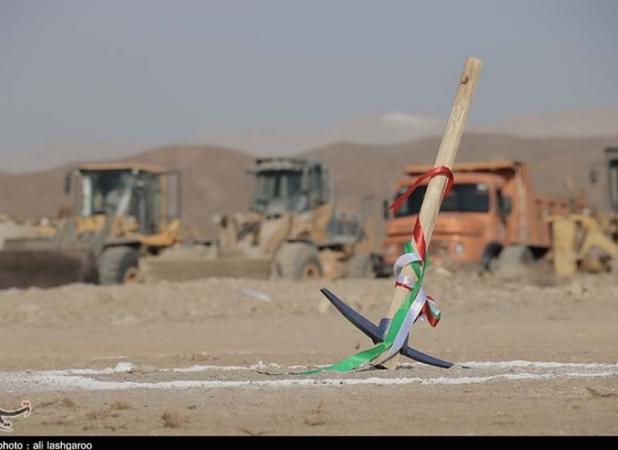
360, 265
298, 261
118, 265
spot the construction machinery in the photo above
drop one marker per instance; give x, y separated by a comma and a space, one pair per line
492, 216
292, 230
120, 212
586, 242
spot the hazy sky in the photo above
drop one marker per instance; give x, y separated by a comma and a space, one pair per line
153, 72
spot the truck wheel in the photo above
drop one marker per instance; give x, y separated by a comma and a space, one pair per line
299, 261
490, 256
360, 266
514, 261
118, 265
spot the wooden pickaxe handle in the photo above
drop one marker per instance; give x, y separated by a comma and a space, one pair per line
446, 157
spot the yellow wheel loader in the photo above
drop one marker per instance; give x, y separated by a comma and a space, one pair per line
121, 212
292, 231
589, 243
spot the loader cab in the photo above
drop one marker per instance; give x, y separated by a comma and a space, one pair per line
289, 185
146, 195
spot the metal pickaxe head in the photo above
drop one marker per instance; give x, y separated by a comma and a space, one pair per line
377, 333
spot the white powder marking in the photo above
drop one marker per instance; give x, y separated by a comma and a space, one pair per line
50, 380
82, 379
536, 365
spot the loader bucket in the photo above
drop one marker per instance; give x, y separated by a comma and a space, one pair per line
42, 268
183, 269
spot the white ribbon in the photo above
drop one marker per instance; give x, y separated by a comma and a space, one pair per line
414, 311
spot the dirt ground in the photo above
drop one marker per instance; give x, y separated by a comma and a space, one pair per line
532, 357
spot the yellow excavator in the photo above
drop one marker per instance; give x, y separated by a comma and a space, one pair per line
121, 212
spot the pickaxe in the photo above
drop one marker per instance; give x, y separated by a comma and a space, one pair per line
427, 217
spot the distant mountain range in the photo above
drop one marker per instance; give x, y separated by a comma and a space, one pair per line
390, 128
215, 180
591, 122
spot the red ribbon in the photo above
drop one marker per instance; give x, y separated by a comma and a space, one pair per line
426, 311
431, 319
417, 233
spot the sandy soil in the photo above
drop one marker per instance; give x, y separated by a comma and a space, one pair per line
533, 357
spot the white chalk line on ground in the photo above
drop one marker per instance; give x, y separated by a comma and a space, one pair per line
128, 367
73, 382
80, 379
535, 364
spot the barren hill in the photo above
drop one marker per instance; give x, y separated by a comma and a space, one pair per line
214, 178
372, 170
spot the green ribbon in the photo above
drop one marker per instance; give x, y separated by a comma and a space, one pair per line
364, 357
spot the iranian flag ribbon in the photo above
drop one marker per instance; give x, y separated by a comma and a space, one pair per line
417, 303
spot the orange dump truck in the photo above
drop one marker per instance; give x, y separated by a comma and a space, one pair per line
492, 210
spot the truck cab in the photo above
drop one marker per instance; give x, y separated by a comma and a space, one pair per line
491, 205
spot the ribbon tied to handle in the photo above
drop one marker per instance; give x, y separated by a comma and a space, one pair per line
417, 303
